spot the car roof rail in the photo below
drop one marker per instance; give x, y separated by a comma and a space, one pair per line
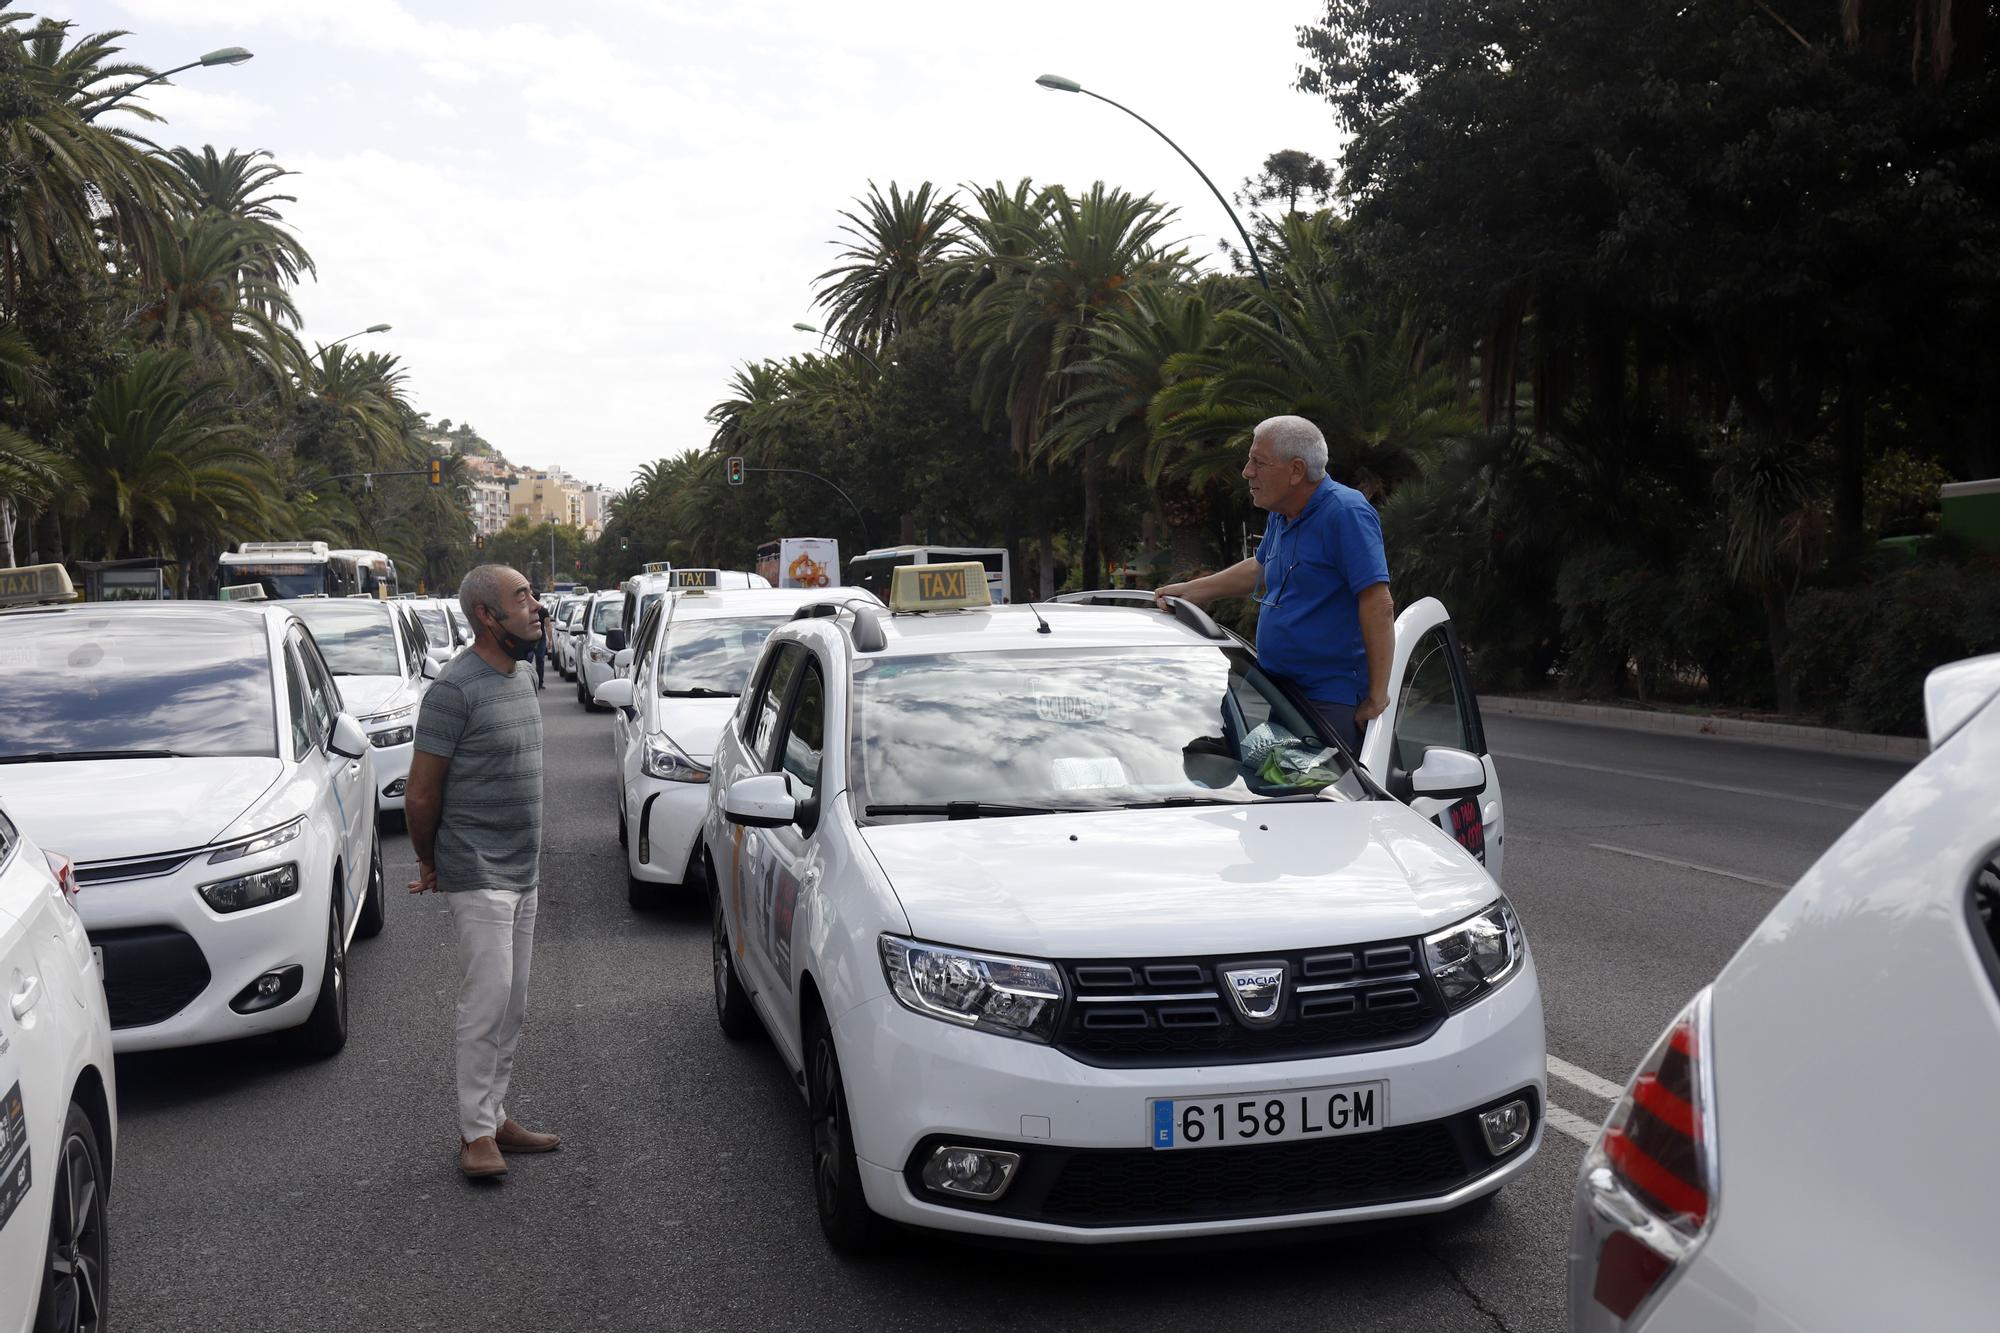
1183, 610
867, 632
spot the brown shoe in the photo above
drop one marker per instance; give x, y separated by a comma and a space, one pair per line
480, 1158
512, 1137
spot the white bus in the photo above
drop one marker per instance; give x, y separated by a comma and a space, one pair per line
377, 572
290, 569
875, 569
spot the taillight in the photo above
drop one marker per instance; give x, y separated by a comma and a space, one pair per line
1647, 1195
64, 871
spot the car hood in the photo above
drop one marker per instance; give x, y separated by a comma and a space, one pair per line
696, 724
107, 809
364, 696
1164, 882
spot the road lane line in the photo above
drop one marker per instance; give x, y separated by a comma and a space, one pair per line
1679, 782
1572, 1124
1578, 1077
1691, 865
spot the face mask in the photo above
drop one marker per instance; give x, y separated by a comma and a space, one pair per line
512, 644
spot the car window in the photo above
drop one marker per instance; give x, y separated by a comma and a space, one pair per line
356, 638
1086, 728
643, 641
770, 700
321, 690
705, 658
319, 715
604, 616
805, 733
415, 643
77, 681
1430, 711
437, 627
295, 696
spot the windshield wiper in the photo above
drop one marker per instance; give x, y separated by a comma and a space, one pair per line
1181, 802
700, 692
52, 757
971, 809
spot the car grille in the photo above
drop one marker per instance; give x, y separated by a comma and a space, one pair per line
1161, 1012
1147, 1187
138, 867
151, 973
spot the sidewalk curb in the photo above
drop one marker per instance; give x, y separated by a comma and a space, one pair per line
1826, 740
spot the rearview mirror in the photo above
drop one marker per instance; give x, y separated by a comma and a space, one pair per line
763, 801
348, 741
430, 668
1447, 774
614, 693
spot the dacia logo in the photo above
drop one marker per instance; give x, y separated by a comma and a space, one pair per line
1257, 991
936, 584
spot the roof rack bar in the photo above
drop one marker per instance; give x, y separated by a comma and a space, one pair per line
1183, 610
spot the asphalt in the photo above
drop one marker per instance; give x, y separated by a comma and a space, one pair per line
255, 1190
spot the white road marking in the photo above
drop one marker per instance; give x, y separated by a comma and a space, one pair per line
1572, 1124
1680, 782
1692, 865
1579, 1077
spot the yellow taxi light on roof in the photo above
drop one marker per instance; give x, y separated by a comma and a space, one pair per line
693, 578
241, 592
35, 583
939, 587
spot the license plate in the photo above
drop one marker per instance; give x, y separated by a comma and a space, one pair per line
1269, 1117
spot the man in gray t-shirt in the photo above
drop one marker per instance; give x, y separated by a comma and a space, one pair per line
474, 805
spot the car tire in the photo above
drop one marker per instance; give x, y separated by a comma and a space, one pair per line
642, 895
733, 1013
583, 695
850, 1225
76, 1269
325, 1030
373, 914
393, 820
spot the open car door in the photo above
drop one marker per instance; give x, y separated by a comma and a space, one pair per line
1431, 705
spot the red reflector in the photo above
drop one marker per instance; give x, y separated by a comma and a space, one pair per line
1656, 1097
1627, 1271
65, 873
1669, 1189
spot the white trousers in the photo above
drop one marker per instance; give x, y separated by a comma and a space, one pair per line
496, 940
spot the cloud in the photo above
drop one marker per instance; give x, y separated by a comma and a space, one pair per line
437, 106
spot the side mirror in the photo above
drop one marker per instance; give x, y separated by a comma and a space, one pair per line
614, 693
763, 801
440, 653
614, 639
430, 668
621, 659
348, 741
1447, 774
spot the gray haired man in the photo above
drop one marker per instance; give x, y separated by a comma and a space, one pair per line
474, 806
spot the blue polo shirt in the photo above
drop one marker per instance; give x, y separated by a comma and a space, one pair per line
1308, 625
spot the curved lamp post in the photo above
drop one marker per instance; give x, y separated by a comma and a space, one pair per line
372, 328
847, 343
228, 55
1058, 83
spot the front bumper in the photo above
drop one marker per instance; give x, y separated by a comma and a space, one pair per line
663, 821
172, 965
1088, 1175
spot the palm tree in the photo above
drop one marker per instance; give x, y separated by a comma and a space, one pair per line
30, 472
896, 250
237, 185
200, 295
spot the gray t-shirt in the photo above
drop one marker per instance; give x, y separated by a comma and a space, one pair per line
488, 728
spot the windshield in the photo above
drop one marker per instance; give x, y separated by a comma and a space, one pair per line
711, 657
357, 639
77, 684
604, 616
1084, 729
279, 581
570, 613
435, 624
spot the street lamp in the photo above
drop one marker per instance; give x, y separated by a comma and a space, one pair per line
1058, 83
372, 328
848, 343
228, 55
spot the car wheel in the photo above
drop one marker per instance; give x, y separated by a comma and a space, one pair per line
642, 895
374, 913
583, 695
325, 1030
74, 1274
393, 820
851, 1227
732, 1002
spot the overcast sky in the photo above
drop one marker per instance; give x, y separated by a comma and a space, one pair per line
580, 217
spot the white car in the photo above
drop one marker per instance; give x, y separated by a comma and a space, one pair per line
1072, 928
563, 631
695, 651
644, 591
599, 640
194, 759
58, 1099
441, 637
382, 667
1810, 1144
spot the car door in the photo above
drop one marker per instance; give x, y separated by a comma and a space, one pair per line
751, 858
33, 1097
625, 721
1431, 704
349, 781
790, 864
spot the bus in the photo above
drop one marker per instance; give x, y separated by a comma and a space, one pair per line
377, 572
290, 569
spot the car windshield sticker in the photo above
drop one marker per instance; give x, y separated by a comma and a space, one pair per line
14, 1175
1462, 821
1071, 707
1089, 773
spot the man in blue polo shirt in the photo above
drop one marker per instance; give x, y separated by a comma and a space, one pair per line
1326, 622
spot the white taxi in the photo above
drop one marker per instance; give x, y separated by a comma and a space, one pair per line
694, 652
194, 759
382, 665
441, 637
1810, 1144
597, 642
1074, 928
58, 1099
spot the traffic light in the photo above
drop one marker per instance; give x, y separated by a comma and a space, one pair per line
437, 472
479, 541
736, 471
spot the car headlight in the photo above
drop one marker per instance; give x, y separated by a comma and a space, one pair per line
258, 842
659, 757
393, 736
253, 890
393, 715
1011, 997
1476, 956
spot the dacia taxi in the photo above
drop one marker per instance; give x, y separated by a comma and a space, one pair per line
1075, 925
694, 652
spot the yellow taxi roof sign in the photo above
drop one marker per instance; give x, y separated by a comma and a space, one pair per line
35, 583
693, 578
956, 587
